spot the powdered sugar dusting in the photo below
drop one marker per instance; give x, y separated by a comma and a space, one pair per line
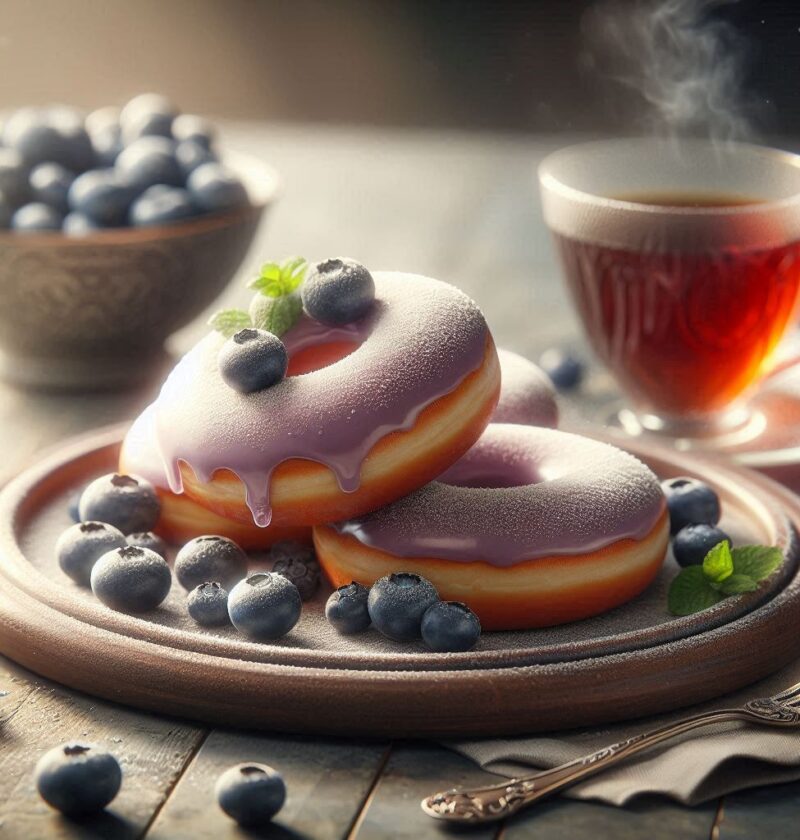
526, 396
583, 495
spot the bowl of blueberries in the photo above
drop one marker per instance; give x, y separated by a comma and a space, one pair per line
116, 229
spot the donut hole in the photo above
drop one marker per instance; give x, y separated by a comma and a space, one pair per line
319, 356
488, 471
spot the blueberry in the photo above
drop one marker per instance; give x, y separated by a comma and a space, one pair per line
188, 127
691, 544
191, 154
54, 135
397, 603
36, 217
161, 205
77, 224
208, 604
131, 579
252, 360
690, 502
264, 606
107, 144
147, 114
215, 188
147, 125
13, 178
297, 562
347, 609
50, 183
148, 161
102, 119
338, 291
128, 502
101, 195
251, 793
72, 506
210, 558
78, 779
565, 370
82, 545
147, 539
450, 626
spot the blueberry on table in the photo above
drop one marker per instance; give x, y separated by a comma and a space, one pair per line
128, 502
78, 224
691, 544
101, 195
36, 218
50, 183
264, 606
148, 161
147, 539
338, 291
194, 129
82, 545
210, 558
251, 793
190, 154
690, 502
346, 609
78, 779
161, 205
297, 562
450, 626
565, 370
131, 579
252, 360
215, 188
397, 603
208, 604
13, 178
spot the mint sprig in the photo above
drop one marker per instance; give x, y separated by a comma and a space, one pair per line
230, 321
724, 572
279, 279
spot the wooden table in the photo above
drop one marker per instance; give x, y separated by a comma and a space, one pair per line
459, 207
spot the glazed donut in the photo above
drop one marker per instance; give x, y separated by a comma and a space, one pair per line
533, 527
399, 396
527, 395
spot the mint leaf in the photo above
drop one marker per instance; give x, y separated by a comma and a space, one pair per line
276, 280
691, 592
229, 321
756, 561
276, 314
737, 584
718, 563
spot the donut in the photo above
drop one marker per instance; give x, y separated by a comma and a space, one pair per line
527, 395
533, 527
369, 412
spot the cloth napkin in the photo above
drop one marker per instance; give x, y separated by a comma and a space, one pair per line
703, 765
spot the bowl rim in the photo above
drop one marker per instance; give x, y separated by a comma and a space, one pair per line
263, 184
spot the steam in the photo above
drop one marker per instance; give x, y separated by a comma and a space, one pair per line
685, 65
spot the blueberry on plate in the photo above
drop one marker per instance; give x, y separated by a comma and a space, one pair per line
252, 360
161, 205
216, 188
208, 604
338, 291
450, 626
131, 579
147, 539
397, 603
82, 545
346, 609
13, 178
690, 502
210, 558
297, 562
190, 154
50, 183
148, 161
194, 129
564, 369
251, 793
35, 218
128, 502
102, 196
691, 544
78, 224
78, 779
264, 606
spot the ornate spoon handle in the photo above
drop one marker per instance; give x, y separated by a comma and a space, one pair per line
497, 801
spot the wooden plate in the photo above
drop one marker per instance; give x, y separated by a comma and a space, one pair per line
633, 661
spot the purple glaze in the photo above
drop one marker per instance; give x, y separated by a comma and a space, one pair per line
585, 495
526, 395
421, 339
